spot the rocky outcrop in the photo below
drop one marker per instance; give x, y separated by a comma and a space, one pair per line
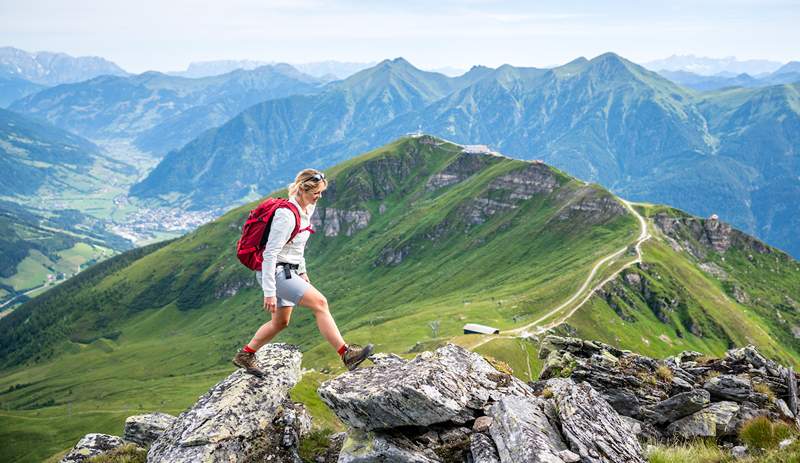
144, 429
698, 236
452, 405
687, 395
242, 418
461, 168
92, 445
430, 389
335, 222
508, 191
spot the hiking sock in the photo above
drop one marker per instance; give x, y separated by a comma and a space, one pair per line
341, 350
248, 349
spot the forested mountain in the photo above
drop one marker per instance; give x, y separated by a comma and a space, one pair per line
416, 232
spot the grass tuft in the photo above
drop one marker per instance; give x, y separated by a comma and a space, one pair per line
762, 433
664, 373
128, 453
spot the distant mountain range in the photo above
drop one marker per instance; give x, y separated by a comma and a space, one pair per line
324, 70
606, 120
160, 112
786, 74
47, 68
729, 66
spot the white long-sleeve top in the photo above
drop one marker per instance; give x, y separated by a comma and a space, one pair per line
278, 250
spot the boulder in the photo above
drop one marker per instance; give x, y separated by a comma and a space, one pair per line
680, 405
451, 384
92, 445
523, 432
482, 449
591, 427
729, 387
368, 447
144, 429
434, 444
713, 421
242, 418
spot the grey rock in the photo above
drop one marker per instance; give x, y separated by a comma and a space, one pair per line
681, 384
241, 418
369, 447
713, 421
783, 408
384, 359
623, 401
680, 405
739, 451
590, 426
729, 387
785, 443
569, 456
92, 445
144, 429
482, 449
523, 433
334, 222
431, 388
791, 386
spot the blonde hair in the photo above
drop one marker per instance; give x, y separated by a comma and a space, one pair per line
305, 182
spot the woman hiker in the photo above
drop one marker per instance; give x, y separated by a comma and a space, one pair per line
285, 281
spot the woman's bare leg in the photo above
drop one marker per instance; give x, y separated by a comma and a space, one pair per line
315, 301
280, 320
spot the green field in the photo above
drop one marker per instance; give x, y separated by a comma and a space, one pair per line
152, 329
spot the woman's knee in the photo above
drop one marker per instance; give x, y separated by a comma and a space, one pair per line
319, 304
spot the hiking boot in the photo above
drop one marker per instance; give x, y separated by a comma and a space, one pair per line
247, 360
355, 354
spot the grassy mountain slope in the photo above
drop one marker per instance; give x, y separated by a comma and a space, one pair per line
35, 154
34, 246
701, 286
412, 234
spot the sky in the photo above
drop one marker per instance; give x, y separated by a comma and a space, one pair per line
167, 35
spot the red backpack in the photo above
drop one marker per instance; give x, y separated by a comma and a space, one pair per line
255, 231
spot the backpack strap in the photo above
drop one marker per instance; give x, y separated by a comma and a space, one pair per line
289, 205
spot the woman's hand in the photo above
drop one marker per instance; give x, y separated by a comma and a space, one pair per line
305, 277
271, 303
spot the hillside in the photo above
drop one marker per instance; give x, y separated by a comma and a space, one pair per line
40, 249
414, 240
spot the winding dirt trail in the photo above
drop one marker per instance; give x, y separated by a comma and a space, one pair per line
644, 235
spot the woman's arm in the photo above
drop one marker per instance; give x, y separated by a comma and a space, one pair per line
282, 226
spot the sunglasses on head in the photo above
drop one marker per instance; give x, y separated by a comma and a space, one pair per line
318, 177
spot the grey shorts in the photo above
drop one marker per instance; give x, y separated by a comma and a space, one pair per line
289, 292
